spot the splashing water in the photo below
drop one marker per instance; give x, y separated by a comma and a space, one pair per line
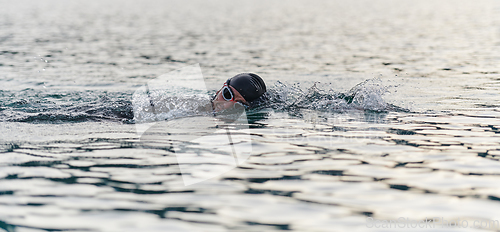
157, 106
58, 107
42, 106
367, 95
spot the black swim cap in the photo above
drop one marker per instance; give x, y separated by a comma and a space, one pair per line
249, 85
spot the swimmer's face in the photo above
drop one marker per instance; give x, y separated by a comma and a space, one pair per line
220, 103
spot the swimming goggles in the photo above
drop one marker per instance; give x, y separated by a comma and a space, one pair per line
228, 95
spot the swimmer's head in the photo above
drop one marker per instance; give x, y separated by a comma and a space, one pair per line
240, 89
249, 85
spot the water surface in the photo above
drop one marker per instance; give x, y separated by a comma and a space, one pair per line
423, 141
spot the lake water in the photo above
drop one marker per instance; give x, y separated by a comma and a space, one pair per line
418, 150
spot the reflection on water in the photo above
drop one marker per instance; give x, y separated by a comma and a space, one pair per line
308, 173
421, 141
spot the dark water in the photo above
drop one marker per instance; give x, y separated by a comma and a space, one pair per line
421, 139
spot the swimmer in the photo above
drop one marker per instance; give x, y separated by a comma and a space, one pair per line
241, 90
